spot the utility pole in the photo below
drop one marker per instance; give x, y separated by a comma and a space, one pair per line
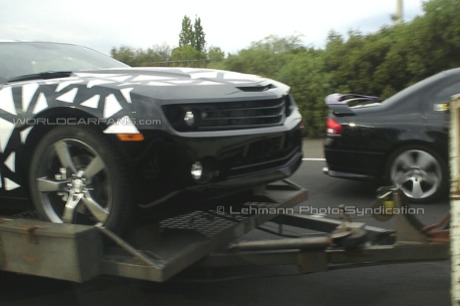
399, 12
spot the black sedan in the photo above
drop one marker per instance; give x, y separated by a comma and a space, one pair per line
402, 140
90, 140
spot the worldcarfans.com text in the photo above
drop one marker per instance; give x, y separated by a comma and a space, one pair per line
65, 121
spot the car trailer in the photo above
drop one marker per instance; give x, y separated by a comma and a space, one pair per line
208, 239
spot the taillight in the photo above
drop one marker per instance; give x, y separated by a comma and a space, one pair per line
333, 127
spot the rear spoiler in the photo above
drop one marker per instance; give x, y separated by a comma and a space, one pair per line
341, 104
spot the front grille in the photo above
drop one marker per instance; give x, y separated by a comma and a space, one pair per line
241, 114
265, 153
229, 115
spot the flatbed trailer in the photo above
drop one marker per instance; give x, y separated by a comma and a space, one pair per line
210, 239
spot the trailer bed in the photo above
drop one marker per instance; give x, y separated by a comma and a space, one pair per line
211, 239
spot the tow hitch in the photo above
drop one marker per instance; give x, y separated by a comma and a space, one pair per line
340, 243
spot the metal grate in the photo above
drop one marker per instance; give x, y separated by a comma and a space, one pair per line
206, 223
210, 223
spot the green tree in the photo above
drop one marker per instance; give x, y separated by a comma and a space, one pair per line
192, 34
304, 72
215, 54
265, 57
440, 27
216, 58
187, 56
159, 55
199, 38
186, 35
125, 55
192, 44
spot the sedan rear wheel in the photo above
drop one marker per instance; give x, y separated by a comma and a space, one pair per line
419, 173
76, 176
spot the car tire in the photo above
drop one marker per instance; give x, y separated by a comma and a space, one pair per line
77, 176
419, 172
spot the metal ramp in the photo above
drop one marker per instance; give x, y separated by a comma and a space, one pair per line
183, 240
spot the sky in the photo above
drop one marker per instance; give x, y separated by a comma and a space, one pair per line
230, 25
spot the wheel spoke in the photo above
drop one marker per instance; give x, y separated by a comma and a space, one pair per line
401, 178
95, 166
62, 150
70, 206
417, 190
406, 161
431, 180
424, 160
46, 185
99, 212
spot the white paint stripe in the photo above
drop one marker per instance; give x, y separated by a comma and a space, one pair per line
10, 185
313, 159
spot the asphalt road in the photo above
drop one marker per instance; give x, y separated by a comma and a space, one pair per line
397, 284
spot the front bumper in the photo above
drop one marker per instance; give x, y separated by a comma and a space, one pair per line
236, 163
222, 189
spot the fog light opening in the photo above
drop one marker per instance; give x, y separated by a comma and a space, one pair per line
204, 171
189, 118
197, 171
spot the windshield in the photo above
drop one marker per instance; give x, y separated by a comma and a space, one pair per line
25, 58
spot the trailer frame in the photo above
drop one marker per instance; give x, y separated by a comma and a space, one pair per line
211, 239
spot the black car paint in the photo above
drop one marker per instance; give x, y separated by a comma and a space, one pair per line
373, 133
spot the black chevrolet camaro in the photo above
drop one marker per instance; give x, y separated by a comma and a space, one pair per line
403, 140
88, 139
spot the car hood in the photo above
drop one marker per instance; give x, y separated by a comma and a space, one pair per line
137, 93
179, 84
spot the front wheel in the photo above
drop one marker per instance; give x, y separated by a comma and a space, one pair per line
419, 173
76, 176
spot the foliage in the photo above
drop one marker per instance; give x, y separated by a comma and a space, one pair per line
199, 40
265, 57
186, 35
155, 56
192, 43
215, 58
380, 63
188, 56
304, 73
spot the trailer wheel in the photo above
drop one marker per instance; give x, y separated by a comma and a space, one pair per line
77, 176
